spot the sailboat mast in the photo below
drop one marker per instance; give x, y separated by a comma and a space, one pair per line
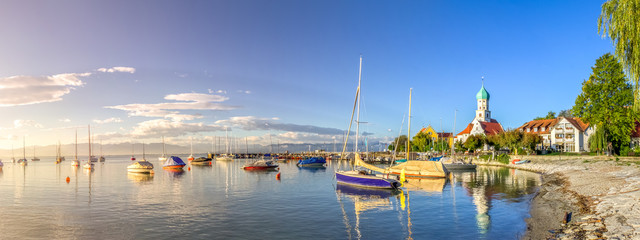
24, 148
163, 150
143, 157
76, 145
358, 107
89, 129
409, 126
453, 145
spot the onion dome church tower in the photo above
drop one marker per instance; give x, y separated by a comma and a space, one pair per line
482, 113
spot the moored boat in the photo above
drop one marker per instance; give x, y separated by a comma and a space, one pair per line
365, 179
312, 162
261, 165
142, 166
201, 161
88, 165
174, 162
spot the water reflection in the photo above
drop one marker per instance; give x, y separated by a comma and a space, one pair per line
364, 199
426, 184
174, 173
313, 169
139, 177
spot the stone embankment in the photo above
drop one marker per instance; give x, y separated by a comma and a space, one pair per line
601, 193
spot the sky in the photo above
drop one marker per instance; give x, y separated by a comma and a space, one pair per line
140, 70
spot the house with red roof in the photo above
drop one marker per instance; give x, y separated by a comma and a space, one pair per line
561, 134
482, 122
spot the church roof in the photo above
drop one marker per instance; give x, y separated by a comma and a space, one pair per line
489, 128
483, 94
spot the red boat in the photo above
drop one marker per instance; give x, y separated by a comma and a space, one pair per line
261, 165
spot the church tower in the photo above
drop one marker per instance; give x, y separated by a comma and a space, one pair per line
482, 113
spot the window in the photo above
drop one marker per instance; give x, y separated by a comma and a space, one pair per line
535, 129
542, 129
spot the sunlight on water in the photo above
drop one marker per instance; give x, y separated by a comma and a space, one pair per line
223, 201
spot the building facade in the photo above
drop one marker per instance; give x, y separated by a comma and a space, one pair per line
561, 134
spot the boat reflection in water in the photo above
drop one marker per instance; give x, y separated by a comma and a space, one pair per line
174, 172
364, 200
139, 177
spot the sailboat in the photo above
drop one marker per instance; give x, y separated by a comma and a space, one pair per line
173, 163
164, 153
75, 162
101, 159
227, 156
411, 168
89, 164
190, 158
13, 156
59, 157
133, 158
23, 161
34, 155
361, 178
142, 166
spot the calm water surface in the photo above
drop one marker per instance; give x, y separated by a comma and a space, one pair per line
225, 202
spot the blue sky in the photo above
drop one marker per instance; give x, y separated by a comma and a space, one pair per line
142, 69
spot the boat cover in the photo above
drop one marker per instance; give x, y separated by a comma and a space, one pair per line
313, 160
174, 161
412, 168
141, 164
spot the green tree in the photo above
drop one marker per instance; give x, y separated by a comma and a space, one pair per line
402, 144
474, 142
511, 139
620, 20
606, 101
421, 142
550, 115
459, 146
565, 113
530, 140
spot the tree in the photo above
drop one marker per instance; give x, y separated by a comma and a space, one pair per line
511, 139
530, 140
621, 22
565, 113
459, 146
421, 142
402, 144
474, 142
550, 115
606, 101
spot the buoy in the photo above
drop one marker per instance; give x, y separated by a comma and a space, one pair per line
189, 168
278, 176
68, 179
211, 163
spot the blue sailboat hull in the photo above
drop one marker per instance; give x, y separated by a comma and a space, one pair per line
364, 180
312, 162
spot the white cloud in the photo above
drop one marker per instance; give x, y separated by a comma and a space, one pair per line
244, 91
66, 120
163, 127
184, 101
117, 69
218, 91
108, 120
24, 90
254, 123
20, 123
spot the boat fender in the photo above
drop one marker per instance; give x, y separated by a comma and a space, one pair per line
68, 179
189, 168
278, 176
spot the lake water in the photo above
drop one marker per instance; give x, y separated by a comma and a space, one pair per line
223, 201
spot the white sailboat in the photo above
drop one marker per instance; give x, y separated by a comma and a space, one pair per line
23, 161
76, 162
190, 158
142, 166
227, 156
89, 164
164, 153
34, 155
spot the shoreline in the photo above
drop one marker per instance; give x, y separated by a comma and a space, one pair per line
603, 197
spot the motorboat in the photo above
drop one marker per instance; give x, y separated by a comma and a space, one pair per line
75, 163
261, 165
201, 161
142, 166
312, 162
174, 162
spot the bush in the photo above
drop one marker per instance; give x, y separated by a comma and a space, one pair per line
624, 151
503, 158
